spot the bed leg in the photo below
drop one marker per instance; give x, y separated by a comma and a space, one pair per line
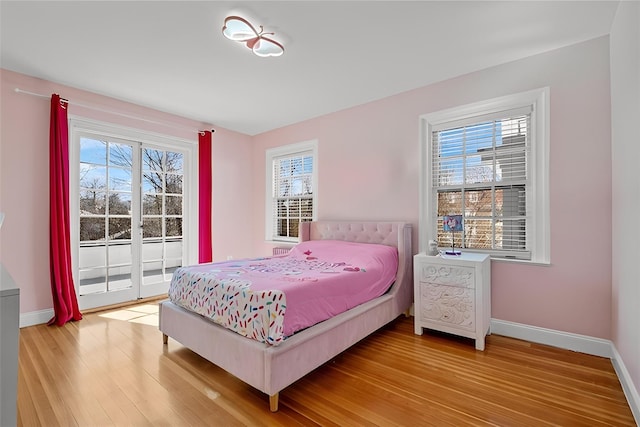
165, 339
273, 402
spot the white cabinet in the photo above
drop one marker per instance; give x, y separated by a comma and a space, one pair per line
9, 335
452, 294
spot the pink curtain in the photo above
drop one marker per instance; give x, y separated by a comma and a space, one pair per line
205, 252
65, 303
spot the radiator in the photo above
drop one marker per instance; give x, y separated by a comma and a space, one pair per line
281, 251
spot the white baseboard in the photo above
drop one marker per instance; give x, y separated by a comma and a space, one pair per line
36, 317
630, 391
566, 340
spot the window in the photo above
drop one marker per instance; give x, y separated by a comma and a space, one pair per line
291, 189
488, 163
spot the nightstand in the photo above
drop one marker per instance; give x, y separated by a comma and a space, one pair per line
452, 294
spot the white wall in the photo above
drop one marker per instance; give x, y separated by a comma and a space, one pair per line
625, 135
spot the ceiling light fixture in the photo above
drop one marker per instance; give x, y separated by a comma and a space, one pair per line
239, 29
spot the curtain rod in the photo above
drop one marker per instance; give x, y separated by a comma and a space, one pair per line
91, 107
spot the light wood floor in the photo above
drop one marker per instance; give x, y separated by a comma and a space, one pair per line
111, 368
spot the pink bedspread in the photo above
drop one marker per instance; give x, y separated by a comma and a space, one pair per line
268, 299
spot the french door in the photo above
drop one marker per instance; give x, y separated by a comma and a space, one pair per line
130, 201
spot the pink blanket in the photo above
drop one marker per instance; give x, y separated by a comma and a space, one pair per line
268, 299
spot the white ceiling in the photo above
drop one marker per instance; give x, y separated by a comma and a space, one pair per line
171, 55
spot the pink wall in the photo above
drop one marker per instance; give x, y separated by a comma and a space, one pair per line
24, 179
232, 187
369, 164
368, 169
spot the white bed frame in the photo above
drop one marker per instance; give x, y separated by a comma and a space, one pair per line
272, 368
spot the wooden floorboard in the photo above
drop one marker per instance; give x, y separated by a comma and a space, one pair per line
111, 368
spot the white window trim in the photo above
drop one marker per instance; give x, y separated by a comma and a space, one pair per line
287, 150
80, 125
538, 99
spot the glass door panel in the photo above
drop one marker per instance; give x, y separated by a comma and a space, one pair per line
162, 213
106, 247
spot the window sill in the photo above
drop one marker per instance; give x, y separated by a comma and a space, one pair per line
523, 261
501, 259
287, 243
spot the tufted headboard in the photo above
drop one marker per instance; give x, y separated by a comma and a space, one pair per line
397, 234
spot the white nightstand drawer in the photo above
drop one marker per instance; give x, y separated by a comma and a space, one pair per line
448, 275
449, 305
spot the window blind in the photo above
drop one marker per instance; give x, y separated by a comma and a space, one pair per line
480, 170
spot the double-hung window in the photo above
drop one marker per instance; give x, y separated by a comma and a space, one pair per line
291, 189
488, 163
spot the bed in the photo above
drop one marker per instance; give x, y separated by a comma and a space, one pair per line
271, 366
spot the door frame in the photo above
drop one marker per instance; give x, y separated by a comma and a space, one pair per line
80, 126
